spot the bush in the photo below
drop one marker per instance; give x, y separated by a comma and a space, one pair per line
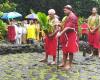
3, 28
80, 21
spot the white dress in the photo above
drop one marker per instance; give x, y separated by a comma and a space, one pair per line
18, 34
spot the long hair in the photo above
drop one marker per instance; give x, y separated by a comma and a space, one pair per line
74, 12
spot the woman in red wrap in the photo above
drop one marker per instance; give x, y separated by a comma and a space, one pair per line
94, 34
11, 32
70, 30
50, 39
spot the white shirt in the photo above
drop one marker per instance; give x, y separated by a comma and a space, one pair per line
19, 32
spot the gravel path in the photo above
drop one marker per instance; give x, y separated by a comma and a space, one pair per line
26, 66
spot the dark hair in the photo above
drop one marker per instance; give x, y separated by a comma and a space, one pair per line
71, 10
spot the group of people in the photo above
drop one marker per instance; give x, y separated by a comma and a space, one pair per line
24, 32
66, 31
91, 31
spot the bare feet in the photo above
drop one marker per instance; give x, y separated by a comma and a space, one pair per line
67, 67
91, 55
99, 55
53, 63
68, 58
44, 60
61, 65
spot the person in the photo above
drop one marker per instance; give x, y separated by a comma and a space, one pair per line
19, 33
14, 23
11, 32
94, 24
24, 31
31, 33
50, 39
84, 32
37, 26
63, 40
70, 30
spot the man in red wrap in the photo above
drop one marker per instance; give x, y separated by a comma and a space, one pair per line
84, 32
50, 39
70, 30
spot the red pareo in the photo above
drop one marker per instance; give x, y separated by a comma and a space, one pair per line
94, 39
63, 40
71, 45
11, 33
50, 45
84, 27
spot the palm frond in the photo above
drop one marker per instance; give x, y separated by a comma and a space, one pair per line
42, 18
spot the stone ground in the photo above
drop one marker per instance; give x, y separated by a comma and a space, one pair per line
26, 66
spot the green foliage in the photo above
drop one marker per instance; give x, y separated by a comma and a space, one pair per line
80, 21
42, 18
1, 13
82, 7
3, 28
7, 6
2, 24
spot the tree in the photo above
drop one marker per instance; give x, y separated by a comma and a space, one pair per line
5, 6
82, 7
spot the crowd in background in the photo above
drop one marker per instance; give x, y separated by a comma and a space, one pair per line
24, 32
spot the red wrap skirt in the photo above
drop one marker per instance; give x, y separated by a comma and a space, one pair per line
50, 45
63, 41
11, 33
94, 39
70, 44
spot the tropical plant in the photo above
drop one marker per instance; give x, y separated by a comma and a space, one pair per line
7, 6
43, 19
80, 21
3, 28
1, 14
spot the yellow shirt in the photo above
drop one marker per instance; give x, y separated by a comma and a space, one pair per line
31, 32
37, 26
